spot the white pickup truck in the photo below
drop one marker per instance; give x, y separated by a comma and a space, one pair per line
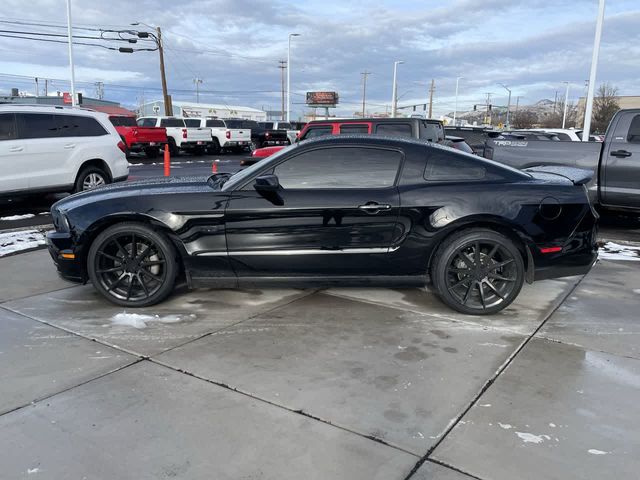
179, 135
223, 135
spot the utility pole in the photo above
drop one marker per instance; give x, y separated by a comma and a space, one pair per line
197, 81
168, 108
37, 88
455, 108
282, 67
71, 69
99, 90
488, 115
46, 87
517, 104
394, 88
364, 74
555, 102
289, 76
431, 90
566, 103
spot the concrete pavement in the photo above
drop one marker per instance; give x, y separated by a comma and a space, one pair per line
339, 383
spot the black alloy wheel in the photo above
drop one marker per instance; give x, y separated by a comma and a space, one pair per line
478, 272
132, 265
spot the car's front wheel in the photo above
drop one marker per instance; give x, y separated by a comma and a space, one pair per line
132, 265
478, 271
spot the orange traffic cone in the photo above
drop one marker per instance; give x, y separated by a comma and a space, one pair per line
167, 161
214, 167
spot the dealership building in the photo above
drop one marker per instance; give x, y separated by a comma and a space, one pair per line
193, 109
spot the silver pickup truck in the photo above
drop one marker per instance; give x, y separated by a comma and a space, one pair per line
615, 162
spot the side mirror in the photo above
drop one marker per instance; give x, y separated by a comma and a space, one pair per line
267, 183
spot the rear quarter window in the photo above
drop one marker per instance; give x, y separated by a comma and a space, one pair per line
395, 129
449, 167
79, 126
192, 122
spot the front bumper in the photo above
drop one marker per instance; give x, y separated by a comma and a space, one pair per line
66, 257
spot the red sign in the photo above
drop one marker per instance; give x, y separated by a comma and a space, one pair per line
66, 98
322, 98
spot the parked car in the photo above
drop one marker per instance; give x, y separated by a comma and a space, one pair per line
431, 130
222, 135
139, 139
58, 149
615, 163
179, 136
336, 210
474, 136
527, 135
292, 132
262, 137
563, 134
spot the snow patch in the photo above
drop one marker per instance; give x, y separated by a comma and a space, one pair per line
531, 438
137, 320
11, 242
617, 251
593, 451
17, 217
506, 426
32, 470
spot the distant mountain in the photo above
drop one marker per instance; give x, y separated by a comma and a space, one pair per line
543, 109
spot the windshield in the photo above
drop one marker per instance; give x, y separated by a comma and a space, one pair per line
123, 121
239, 177
234, 123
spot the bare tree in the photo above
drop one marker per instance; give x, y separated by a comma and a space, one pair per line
554, 119
524, 119
605, 105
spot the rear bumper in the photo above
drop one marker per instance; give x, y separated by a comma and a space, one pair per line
567, 266
195, 144
236, 143
139, 146
61, 247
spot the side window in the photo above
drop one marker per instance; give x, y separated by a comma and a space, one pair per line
317, 132
215, 123
448, 167
564, 137
394, 129
36, 125
7, 126
146, 122
192, 122
172, 122
354, 128
79, 126
340, 167
634, 130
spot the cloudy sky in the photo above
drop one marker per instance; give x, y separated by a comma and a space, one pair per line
234, 46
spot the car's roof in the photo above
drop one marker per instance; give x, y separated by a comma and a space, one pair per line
375, 120
37, 108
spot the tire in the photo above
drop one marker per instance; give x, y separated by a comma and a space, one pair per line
214, 148
129, 280
90, 177
173, 148
151, 152
475, 289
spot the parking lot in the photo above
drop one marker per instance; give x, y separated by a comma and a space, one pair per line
338, 383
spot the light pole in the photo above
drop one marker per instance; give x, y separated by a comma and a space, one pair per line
197, 81
71, 69
507, 124
592, 75
566, 102
455, 108
394, 97
289, 76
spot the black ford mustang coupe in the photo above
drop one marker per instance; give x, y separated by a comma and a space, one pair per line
340, 210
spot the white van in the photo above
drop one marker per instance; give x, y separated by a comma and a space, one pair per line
57, 149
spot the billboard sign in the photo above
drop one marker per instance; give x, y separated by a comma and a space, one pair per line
322, 99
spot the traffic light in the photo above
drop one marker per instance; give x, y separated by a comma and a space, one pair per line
475, 107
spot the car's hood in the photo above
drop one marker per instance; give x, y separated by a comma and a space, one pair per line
151, 186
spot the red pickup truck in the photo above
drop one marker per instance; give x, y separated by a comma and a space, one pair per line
139, 139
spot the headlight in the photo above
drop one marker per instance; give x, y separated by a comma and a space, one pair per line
60, 221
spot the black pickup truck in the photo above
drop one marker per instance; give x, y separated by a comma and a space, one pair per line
262, 137
615, 162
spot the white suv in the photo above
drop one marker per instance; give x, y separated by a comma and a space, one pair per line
57, 149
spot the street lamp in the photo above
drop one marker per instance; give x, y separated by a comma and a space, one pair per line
592, 75
394, 93
71, 69
289, 76
455, 108
507, 124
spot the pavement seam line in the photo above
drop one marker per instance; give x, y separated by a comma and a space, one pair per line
451, 467
38, 294
492, 380
47, 397
585, 348
303, 294
277, 405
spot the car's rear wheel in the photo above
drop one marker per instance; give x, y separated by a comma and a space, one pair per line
132, 265
173, 148
89, 178
478, 271
214, 147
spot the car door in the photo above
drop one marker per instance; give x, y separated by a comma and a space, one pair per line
45, 153
14, 170
620, 182
334, 214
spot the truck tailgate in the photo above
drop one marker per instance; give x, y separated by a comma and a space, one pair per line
200, 134
239, 135
150, 135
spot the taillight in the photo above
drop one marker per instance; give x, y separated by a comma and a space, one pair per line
122, 147
227, 134
267, 135
550, 249
184, 133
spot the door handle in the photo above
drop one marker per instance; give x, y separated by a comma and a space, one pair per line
16, 149
70, 145
620, 153
373, 207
